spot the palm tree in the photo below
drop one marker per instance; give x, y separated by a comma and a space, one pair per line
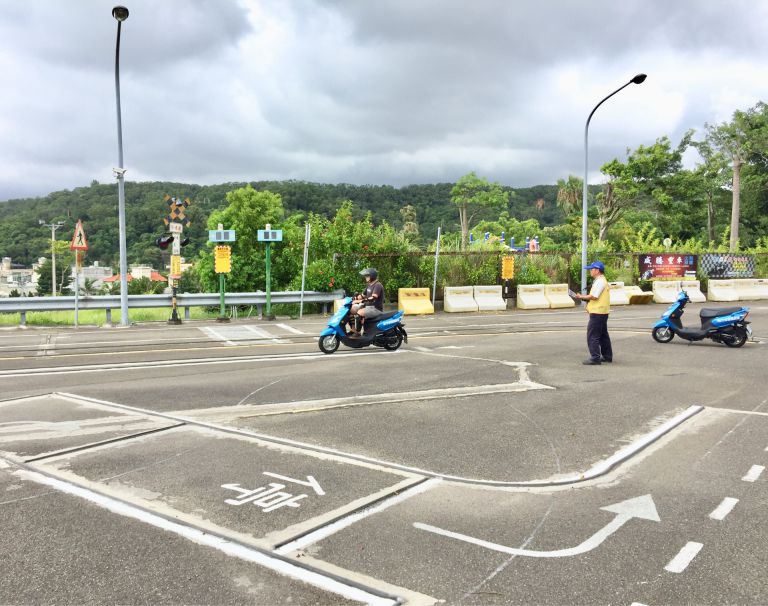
569, 194
88, 287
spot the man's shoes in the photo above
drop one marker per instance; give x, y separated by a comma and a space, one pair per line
591, 362
606, 360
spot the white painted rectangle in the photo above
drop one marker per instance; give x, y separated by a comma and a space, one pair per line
680, 562
295, 331
753, 473
724, 508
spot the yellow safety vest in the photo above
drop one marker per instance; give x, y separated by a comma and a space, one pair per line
601, 305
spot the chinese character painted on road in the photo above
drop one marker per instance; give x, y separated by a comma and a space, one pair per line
268, 497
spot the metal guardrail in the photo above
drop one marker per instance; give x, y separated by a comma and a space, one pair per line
24, 305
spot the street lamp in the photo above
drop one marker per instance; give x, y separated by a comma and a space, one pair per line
121, 14
54, 227
638, 79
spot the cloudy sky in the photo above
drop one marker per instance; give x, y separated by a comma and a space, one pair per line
361, 91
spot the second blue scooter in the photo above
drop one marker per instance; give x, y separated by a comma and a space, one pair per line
726, 325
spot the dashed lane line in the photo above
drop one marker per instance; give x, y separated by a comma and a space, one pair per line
725, 507
754, 473
680, 562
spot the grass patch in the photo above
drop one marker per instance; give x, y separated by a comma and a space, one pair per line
98, 317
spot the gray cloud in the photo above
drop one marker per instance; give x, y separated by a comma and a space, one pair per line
365, 92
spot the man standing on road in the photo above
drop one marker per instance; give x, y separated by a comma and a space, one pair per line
598, 308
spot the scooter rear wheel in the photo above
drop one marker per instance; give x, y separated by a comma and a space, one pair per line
393, 342
737, 339
328, 344
663, 334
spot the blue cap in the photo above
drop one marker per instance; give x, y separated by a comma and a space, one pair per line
596, 265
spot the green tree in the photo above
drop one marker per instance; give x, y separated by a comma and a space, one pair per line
569, 194
44, 279
742, 139
472, 193
247, 211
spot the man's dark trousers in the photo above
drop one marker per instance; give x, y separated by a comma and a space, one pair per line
598, 341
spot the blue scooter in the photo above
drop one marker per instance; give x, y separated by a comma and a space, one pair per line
721, 324
385, 331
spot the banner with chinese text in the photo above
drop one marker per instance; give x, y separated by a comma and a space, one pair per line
667, 266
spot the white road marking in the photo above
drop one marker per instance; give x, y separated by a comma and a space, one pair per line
640, 507
209, 540
681, 560
295, 331
109, 366
754, 473
311, 482
420, 348
214, 334
255, 391
724, 508
326, 531
264, 334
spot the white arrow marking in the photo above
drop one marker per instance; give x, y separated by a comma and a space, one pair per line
311, 482
639, 507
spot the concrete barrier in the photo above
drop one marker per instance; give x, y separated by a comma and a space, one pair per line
761, 286
746, 289
458, 299
558, 297
665, 291
619, 296
693, 288
722, 290
531, 296
489, 298
414, 301
638, 296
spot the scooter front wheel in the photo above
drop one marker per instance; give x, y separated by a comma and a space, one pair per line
663, 334
328, 344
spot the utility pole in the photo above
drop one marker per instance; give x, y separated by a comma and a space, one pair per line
54, 227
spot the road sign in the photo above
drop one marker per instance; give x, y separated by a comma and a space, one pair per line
222, 257
176, 211
79, 241
507, 268
221, 235
175, 267
270, 235
175, 228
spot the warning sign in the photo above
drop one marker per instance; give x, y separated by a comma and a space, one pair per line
222, 257
79, 241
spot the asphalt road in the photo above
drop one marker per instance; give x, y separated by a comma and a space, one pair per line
480, 464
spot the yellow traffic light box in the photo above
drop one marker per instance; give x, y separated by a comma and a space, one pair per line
507, 267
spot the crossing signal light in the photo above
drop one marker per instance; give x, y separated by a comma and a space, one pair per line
184, 242
164, 241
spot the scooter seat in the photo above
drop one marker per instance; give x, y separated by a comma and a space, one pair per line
384, 316
713, 312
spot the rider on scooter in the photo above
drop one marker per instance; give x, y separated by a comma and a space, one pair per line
373, 296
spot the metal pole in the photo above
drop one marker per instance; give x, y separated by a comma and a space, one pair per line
121, 190
221, 296
307, 235
638, 79
77, 285
53, 259
269, 287
437, 257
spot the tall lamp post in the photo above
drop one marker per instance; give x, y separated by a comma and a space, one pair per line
54, 227
638, 79
121, 14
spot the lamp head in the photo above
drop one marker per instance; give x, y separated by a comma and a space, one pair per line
120, 13
639, 79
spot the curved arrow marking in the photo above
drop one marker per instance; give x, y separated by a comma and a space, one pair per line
639, 507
